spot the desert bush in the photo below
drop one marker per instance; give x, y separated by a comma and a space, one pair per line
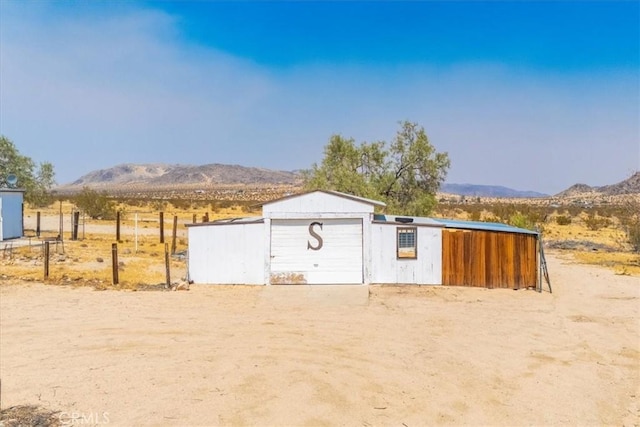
94, 204
521, 220
633, 234
595, 222
503, 211
222, 204
181, 204
41, 199
475, 215
134, 201
159, 205
575, 210
563, 220
629, 217
199, 203
124, 212
491, 218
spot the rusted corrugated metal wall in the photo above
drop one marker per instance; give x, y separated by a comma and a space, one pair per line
489, 259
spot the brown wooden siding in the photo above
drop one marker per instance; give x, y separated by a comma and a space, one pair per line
489, 259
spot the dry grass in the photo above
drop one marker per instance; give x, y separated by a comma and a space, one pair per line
610, 246
29, 415
622, 263
577, 230
88, 261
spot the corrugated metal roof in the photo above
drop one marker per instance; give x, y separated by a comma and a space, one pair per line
487, 226
408, 220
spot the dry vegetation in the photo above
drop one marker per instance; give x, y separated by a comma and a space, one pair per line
88, 260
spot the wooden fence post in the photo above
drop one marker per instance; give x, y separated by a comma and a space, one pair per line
114, 263
118, 226
46, 260
76, 220
161, 227
167, 266
174, 234
38, 224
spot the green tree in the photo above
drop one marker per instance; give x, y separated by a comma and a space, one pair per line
36, 182
406, 175
96, 205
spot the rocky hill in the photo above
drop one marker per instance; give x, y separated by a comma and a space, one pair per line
159, 176
630, 185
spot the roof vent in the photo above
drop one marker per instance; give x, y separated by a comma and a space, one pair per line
404, 220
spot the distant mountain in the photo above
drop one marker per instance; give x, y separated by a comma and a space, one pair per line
487, 191
630, 185
158, 175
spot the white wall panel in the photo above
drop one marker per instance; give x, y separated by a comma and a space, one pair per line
386, 268
227, 254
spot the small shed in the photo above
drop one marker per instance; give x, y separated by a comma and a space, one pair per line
328, 237
488, 255
319, 237
11, 213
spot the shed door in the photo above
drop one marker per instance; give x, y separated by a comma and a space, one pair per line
316, 251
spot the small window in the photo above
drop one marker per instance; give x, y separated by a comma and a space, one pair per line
407, 242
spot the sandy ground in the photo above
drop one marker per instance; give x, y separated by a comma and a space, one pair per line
407, 356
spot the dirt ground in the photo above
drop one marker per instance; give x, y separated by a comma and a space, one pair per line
411, 356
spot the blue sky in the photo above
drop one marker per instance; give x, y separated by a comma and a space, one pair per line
530, 95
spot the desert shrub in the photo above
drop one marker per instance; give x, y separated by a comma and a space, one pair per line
159, 205
536, 214
94, 204
183, 204
473, 210
251, 208
475, 215
222, 204
41, 199
200, 203
521, 220
563, 220
633, 234
503, 211
134, 201
575, 210
629, 218
595, 222
491, 218
124, 212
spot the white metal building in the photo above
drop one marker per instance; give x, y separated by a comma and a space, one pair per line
320, 237
11, 213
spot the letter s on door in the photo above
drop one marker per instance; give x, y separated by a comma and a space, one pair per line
315, 235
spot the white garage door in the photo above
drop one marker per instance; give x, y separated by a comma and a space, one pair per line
316, 251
